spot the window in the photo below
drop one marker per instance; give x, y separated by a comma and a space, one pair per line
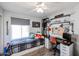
20, 31
25, 31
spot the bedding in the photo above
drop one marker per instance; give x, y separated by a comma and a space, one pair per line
24, 43
23, 40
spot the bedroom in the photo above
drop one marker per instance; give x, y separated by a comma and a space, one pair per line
26, 27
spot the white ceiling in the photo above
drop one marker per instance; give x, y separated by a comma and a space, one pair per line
28, 7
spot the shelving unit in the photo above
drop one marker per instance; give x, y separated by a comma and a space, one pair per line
66, 50
44, 26
64, 19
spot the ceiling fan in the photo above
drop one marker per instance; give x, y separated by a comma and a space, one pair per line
40, 7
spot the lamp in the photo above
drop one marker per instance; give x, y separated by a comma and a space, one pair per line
40, 7
40, 10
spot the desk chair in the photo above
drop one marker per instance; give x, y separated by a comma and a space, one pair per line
55, 44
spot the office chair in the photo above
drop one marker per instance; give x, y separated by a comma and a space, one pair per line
55, 44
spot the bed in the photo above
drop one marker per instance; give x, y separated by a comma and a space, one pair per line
19, 45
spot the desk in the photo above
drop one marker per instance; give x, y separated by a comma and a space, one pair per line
59, 40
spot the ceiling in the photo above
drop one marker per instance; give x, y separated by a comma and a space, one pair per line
28, 7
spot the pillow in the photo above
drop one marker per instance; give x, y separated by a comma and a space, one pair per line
32, 35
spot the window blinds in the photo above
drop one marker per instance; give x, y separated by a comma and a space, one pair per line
19, 21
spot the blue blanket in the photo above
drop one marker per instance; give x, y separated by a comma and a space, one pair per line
22, 40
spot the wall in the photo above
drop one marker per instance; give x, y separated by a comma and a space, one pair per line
7, 17
75, 19
1, 31
1, 11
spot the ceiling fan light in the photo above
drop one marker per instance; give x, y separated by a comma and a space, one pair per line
40, 7
40, 10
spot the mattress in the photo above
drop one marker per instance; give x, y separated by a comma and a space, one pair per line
21, 41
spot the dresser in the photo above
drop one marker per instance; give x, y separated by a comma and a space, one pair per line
66, 50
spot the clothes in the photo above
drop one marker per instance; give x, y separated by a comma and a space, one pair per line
37, 36
60, 31
7, 51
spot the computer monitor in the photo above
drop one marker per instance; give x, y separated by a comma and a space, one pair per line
67, 36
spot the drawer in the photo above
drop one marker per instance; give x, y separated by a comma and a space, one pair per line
38, 43
15, 50
64, 47
29, 45
64, 53
66, 50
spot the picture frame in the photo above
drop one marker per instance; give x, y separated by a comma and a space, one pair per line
35, 24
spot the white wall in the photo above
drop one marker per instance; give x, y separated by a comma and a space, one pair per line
1, 11
75, 19
1, 30
72, 18
7, 17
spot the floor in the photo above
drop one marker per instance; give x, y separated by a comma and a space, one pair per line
1, 54
50, 53
42, 52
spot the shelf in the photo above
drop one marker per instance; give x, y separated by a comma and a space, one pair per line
60, 22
